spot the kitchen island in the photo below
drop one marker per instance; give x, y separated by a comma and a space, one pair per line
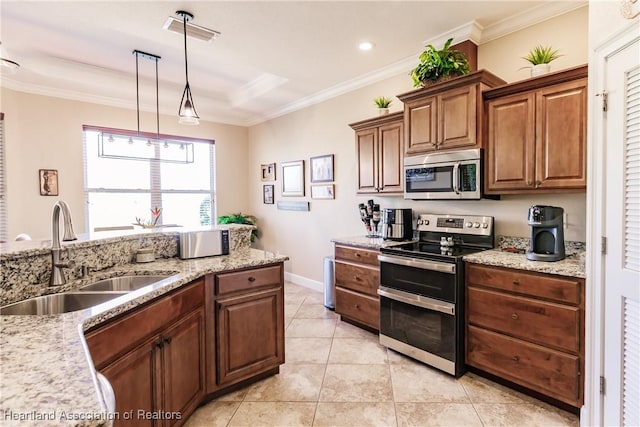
48, 376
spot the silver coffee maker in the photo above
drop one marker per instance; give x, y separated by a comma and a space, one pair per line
547, 233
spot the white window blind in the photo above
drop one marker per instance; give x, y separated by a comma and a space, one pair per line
117, 191
4, 219
631, 315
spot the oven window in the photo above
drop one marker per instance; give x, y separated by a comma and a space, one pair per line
427, 330
432, 284
435, 179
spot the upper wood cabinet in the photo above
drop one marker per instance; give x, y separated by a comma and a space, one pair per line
536, 134
379, 154
446, 115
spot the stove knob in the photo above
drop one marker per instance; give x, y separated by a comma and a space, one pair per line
420, 222
425, 222
485, 225
476, 224
468, 225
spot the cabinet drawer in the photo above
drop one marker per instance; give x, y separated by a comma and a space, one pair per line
114, 338
248, 279
518, 281
546, 323
357, 278
358, 307
363, 256
544, 370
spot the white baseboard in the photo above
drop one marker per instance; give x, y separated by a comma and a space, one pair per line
303, 281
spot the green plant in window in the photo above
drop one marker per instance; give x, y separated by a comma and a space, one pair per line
239, 218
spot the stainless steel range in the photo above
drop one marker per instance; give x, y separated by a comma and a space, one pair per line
422, 289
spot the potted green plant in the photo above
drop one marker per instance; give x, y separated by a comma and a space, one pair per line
540, 57
239, 218
440, 64
383, 104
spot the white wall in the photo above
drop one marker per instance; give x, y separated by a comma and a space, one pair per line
323, 129
46, 133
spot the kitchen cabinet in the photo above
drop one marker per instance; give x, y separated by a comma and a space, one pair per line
357, 274
536, 135
249, 314
379, 154
154, 358
527, 328
446, 115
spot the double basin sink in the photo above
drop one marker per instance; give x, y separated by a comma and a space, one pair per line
85, 297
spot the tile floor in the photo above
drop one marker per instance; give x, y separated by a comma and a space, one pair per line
338, 375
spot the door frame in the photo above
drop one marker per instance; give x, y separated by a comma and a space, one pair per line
592, 412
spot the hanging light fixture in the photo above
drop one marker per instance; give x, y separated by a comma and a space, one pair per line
187, 110
141, 146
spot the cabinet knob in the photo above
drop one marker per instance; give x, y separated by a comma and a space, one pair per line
356, 278
516, 282
514, 316
167, 340
251, 279
357, 254
538, 183
357, 306
160, 343
515, 359
529, 182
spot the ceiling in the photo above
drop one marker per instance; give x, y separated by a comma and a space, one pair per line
273, 57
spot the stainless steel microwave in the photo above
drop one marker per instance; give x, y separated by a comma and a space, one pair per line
441, 176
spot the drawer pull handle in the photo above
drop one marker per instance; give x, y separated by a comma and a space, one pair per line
251, 279
357, 254
357, 306
514, 316
515, 359
516, 282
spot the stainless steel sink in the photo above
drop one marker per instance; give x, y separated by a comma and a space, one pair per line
59, 303
122, 283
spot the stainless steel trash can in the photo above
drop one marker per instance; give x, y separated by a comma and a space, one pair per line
329, 279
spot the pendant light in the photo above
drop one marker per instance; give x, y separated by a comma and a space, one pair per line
187, 110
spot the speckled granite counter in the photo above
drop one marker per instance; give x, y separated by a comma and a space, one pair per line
504, 256
366, 242
47, 376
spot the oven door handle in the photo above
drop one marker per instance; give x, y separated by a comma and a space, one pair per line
456, 176
419, 263
417, 300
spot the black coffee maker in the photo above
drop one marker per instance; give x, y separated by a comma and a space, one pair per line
547, 233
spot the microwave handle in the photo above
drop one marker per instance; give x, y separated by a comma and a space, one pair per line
456, 177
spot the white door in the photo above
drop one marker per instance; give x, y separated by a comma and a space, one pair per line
622, 229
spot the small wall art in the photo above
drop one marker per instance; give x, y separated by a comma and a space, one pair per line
322, 168
324, 191
268, 172
48, 182
293, 178
267, 194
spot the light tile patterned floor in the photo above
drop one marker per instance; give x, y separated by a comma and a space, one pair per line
338, 375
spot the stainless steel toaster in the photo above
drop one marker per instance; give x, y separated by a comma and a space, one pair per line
198, 244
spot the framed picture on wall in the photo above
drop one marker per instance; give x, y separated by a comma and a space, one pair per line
293, 178
48, 182
322, 168
268, 172
267, 194
323, 191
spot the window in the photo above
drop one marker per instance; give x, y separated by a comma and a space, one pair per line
118, 191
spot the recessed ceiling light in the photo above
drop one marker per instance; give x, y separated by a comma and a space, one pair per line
365, 46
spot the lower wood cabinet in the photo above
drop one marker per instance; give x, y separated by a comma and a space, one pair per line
154, 358
527, 328
357, 273
164, 358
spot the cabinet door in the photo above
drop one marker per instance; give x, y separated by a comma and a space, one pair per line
390, 172
561, 142
184, 364
135, 379
421, 125
457, 115
250, 331
511, 143
367, 160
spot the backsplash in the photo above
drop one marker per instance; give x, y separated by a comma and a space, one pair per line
521, 244
25, 273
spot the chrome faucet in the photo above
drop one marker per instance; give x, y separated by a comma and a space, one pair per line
57, 275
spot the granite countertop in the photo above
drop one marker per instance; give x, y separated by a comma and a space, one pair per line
366, 242
47, 375
571, 266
